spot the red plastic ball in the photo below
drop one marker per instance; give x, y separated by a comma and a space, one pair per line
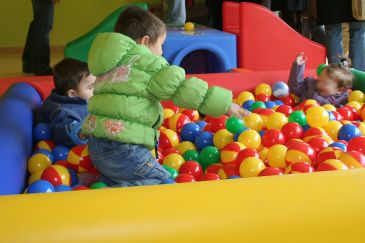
230, 169
192, 168
245, 153
288, 100
79, 188
285, 109
213, 168
270, 171
192, 114
292, 130
169, 151
208, 127
300, 167
262, 97
170, 105
272, 137
182, 178
346, 113
355, 113
209, 177
337, 115
166, 122
64, 163
357, 144
318, 144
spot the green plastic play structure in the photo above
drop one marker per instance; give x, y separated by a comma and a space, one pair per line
79, 49
359, 77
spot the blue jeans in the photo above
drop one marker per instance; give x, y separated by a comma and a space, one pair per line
176, 14
357, 44
123, 165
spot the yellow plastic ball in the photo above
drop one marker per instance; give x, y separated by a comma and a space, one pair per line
245, 96
254, 121
251, 167
329, 107
332, 129
276, 121
357, 95
185, 146
168, 113
35, 177
189, 26
263, 153
361, 127
263, 89
173, 161
355, 105
250, 138
222, 138
317, 116
310, 102
38, 162
276, 156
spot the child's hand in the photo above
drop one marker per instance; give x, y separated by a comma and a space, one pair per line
238, 111
300, 60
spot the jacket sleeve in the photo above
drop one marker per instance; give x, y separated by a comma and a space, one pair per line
193, 93
296, 80
65, 127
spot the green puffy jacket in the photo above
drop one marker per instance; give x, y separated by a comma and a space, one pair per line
130, 84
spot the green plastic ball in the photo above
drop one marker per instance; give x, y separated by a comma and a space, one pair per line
98, 185
172, 171
234, 124
209, 155
191, 155
257, 104
298, 117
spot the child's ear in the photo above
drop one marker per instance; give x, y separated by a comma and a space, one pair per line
71, 93
144, 40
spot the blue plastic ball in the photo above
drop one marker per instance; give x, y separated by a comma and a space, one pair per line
63, 188
41, 186
234, 177
262, 132
73, 176
190, 131
348, 132
201, 124
331, 116
236, 135
280, 89
42, 131
203, 140
339, 145
270, 104
305, 128
46, 152
60, 153
247, 105
278, 102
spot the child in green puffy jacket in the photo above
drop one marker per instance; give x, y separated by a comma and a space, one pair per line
125, 111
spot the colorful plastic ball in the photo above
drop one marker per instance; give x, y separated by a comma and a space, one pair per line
174, 161
246, 153
79, 188
331, 164
236, 135
203, 140
329, 107
272, 137
339, 145
40, 186
244, 96
234, 124
62, 188
357, 95
42, 131
64, 163
167, 113
190, 131
288, 100
98, 185
275, 156
57, 175
348, 132
279, 102
263, 153
313, 132
189, 27
228, 170
353, 159
46, 152
346, 113
299, 168
183, 178
209, 155
173, 173
328, 153
73, 176
251, 167
192, 168
299, 152
213, 168
357, 144
60, 153
247, 104
234, 177
263, 89
269, 171
201, 124
280, 89
185, 146
170, 151
177, 121
285, 109
361, 126
276, 121
35, 177
38, 162
262, 97
270, 104
170, 105
250, 138
209, 177
292, 130
332, 129
257, 105
230, 151
254, 121
298, 117
191, 155
317, 116
356, 105
318, 144
222, 138
45, 144
79, 159
168, 139
193, 115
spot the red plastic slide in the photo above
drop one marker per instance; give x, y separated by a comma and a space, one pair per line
265, 42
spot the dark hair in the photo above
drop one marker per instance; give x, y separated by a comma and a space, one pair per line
67, 75
341, 74
136, 23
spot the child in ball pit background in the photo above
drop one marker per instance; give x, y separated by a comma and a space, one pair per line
66, 108
331, 87
125, 111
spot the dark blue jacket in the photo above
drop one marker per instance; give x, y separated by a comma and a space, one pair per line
65, 116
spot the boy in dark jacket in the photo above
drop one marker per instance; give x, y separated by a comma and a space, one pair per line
66, 108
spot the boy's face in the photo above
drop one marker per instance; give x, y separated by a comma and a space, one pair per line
326, 86
86, 87
156, 48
